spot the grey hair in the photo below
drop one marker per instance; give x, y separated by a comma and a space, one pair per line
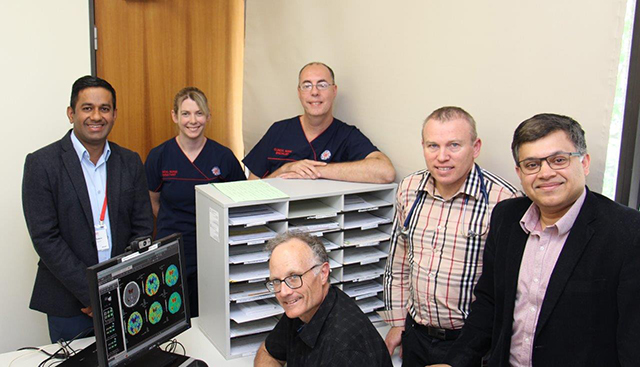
319, 252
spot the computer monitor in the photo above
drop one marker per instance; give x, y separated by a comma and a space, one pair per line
139, 301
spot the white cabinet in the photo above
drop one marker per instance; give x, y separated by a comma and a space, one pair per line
352, 219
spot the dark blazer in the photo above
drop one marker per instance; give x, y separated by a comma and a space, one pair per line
57, 210
590, 315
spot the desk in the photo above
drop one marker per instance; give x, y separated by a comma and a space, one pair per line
194, 341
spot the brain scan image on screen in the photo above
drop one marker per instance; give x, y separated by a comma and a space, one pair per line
152, 284
171, 275
175, 301
131, 294
155, 313
135, 323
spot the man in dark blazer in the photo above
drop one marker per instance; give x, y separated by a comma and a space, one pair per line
84, 199
561, 274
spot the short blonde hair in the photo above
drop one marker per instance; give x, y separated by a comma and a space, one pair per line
447, 113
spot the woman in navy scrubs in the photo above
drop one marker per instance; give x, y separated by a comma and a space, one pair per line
177, 165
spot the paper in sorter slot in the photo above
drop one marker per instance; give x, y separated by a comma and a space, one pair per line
253, 327
255, 310
246, 292
363, 220
365, 238
250, 235
245, 254
370, 304
355, 202
253, 215
248, 272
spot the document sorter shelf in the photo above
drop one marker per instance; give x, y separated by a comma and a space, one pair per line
352, 219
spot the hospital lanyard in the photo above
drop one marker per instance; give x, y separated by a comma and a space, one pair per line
102, 239
405, 228
104, 208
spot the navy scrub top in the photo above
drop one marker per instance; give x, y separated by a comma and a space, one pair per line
285, 142
174, 176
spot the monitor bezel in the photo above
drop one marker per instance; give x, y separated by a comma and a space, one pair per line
94, 295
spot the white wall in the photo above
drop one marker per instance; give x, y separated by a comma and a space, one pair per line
45, 48
395, 62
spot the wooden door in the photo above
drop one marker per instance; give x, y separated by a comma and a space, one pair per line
149, 50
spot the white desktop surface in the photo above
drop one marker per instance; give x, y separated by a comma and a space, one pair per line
195, 342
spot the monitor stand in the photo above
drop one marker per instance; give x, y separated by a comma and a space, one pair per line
160, 358
155, 357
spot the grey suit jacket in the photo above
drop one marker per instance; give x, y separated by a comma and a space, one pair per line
59, 219
590, 313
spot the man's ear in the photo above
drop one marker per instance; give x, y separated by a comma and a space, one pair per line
70, 114
324, 272
586, 161
477, 145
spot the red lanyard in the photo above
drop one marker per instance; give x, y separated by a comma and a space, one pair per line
104, 208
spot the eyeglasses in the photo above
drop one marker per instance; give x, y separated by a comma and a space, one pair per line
293, 281
556, 161
308, 86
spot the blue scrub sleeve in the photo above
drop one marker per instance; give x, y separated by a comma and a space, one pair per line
236, 173
256, 160
359, 146
152, 170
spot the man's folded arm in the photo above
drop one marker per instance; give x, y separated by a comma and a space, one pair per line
374, 168
264, 359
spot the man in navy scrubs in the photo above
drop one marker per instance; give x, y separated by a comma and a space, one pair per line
315, 144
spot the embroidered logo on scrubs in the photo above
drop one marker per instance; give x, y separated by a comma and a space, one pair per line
282, 151
216, 171
325, 155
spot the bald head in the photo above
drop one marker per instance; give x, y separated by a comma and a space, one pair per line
317, 63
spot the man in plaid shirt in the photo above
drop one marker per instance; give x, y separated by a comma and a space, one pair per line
440, 226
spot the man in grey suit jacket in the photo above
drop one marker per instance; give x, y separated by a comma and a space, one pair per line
561, 274
84, 200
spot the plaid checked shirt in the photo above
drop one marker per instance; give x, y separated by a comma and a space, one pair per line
432, 271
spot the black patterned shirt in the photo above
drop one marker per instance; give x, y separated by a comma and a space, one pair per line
339, 334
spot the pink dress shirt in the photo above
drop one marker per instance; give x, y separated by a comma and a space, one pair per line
541, 253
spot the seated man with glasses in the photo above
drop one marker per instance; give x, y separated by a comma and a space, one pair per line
560, 284
315, 144
321, 326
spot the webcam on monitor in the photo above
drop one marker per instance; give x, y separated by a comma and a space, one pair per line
139, 301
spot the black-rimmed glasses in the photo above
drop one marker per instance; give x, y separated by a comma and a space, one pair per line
556, 161
293, 281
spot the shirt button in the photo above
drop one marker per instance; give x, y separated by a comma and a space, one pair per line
536, 280
541, 248
533, 309
527, 339
439, 227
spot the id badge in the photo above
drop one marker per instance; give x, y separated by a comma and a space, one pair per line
101, 237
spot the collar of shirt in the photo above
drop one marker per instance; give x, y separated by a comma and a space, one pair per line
311, 332
471, 186
531, 218
82, 152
